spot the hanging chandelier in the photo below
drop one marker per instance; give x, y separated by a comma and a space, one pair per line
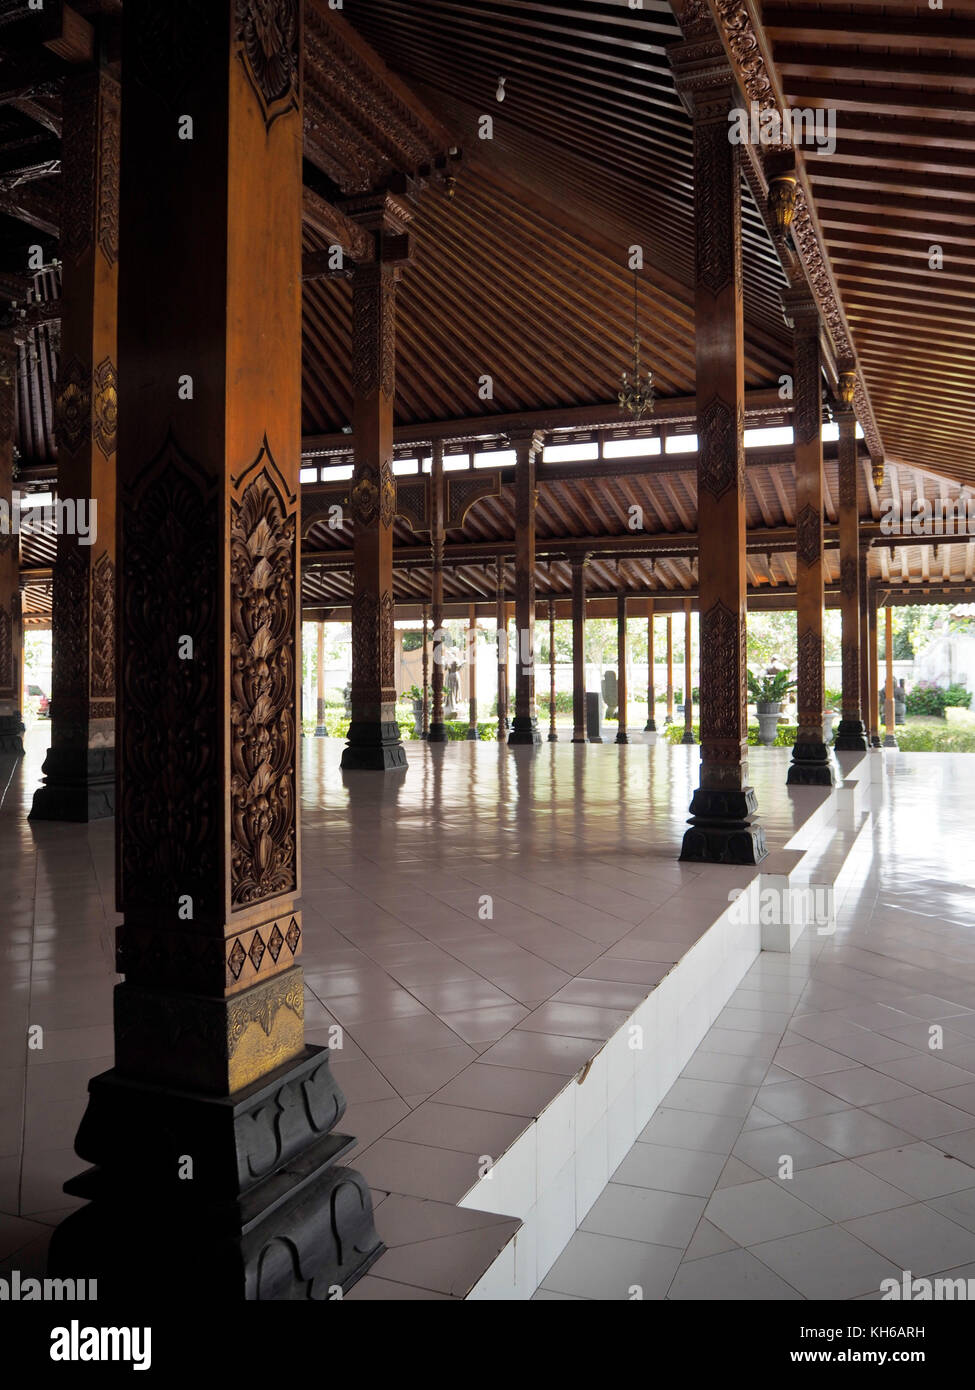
636, 390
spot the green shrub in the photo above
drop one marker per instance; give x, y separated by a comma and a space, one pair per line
957, 697
926, 698
935, 740
563, 702
785, 736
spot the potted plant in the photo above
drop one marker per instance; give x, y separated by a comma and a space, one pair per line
834, 703
768, 691
415, 695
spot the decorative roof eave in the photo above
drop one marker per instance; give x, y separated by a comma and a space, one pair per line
744, 41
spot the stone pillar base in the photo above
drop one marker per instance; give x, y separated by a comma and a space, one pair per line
265, 1213
437, 733
851, 736
374, 747
875, 741
321, 731
811, 766
621, 736
890, 741
472, 734
12, 734
650, 727
524, 730
723, 829
688, 737
553, 738
79, 785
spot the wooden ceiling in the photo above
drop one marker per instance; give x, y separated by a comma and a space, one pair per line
901, 79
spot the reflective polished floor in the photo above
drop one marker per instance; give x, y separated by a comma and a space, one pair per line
475, 928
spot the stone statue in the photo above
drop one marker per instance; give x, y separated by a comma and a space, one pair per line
451, 691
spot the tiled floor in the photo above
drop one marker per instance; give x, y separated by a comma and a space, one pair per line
478, 929
822, 1138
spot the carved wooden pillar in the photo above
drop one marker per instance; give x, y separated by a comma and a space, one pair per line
213, 1080
890, 738
79, 769
524, 728
850, 734
501, 620
651, 725
320, 729
811, 765
865, 682
438, 731
425, 730
374, 739
11, 625
688, 736
552, 735
621, 657
723, 827
873, 648
579, 650
670, 669
472, 734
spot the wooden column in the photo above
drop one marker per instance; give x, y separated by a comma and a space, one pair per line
213, 1080
873, 648
524, 729
579, 650
438, 730
552, 734
501, 621
890, 738
320, 729
79, 770
651, 725
621, 655
688, 736
865, 681
11, 627
472, 735
425, 730
811, 764
374, 738
670, 669
850, 733
723, 827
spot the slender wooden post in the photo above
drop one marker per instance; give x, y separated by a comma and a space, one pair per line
374, 738
79, 770
811, 764
524, 728
579, 650
651, 725
850, 733
723, 826
501, 619
688, 678
213, 1079
472, 734
425, 730
890, 738
670, 669
11, 631
621, 654
320, 730
552, 735
874, 657
438, 730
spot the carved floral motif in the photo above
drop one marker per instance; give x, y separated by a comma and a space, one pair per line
103, 628
105, 412
722, 687
72, 413
267, 31
263, 693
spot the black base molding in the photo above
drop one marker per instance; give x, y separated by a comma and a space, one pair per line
851, 736
553, 738
374, 747
524, 730
650, 727
811, 766
621, 737
437, 733
245, 1188
723, 829
688, 737
473, 736
79, 785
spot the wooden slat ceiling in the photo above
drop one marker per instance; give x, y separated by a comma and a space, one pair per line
901, 78
523, 276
